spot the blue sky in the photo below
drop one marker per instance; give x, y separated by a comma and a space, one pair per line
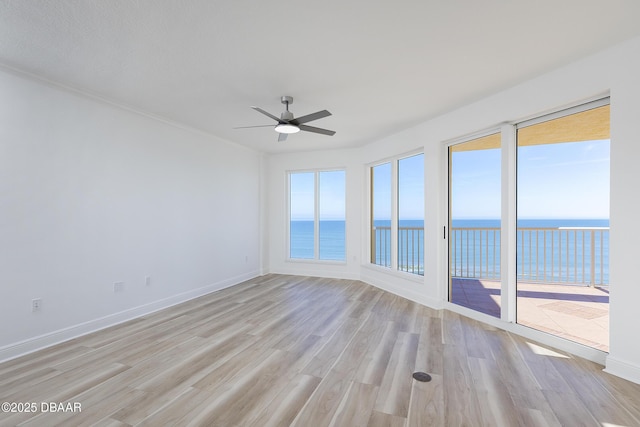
567, 180
410, 189
331, 195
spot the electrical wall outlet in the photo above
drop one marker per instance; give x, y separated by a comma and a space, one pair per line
36, 304
147, 281
118, 287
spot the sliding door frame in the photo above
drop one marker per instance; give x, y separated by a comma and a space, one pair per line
508, 226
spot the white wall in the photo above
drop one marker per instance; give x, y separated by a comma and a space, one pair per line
624, 357
92, 194
615, 71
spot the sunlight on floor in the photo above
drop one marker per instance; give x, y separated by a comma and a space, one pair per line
542, 351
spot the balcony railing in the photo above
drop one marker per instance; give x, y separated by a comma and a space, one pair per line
576, 255
410, 248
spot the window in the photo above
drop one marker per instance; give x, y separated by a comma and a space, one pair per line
397, 214
317, 226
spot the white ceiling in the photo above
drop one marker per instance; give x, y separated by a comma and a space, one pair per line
378, 66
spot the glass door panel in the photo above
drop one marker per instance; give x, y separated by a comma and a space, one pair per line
563, 225
474, 224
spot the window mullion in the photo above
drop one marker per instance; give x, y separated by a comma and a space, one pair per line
394, 215
508, 256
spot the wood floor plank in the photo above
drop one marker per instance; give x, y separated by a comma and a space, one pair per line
283, 350
285, 406
624, 392
374, 364
593, 395
324, 402
380, 419
429, 356
460, 398
248, 392
173, 413
427, 403
356, 406
496, 405
569, 409
395, 391
324, 360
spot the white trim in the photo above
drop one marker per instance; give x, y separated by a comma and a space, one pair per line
319, 273
116, 104
563, 112
622, 369
404, 155
394, 193
508, 221
316, 215
396, 288
30, 345
287, 217
394, 214
508, 178
396, 274
444, 282
315, 261
471, 136
367, 219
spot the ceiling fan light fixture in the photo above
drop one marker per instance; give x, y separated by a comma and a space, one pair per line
286, 128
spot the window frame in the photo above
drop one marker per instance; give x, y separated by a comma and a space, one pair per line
393, 268
316, 220
507, 130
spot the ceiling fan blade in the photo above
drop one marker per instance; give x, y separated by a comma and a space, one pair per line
260, 110
316, 130
258, 126
310, 117
282, 137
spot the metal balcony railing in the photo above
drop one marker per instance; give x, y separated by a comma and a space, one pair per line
410, 248
576, 255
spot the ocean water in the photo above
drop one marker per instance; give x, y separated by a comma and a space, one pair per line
558, 255
331, 240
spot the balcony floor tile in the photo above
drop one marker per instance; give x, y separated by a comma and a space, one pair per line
577, 313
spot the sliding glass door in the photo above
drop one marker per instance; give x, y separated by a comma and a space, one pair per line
474, 224
545, 263
563, 224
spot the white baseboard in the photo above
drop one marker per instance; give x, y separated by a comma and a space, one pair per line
30, 345
622, 369
392, 285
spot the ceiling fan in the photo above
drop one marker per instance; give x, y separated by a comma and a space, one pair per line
288, 124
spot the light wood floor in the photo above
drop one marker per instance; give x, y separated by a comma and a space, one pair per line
288, 350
